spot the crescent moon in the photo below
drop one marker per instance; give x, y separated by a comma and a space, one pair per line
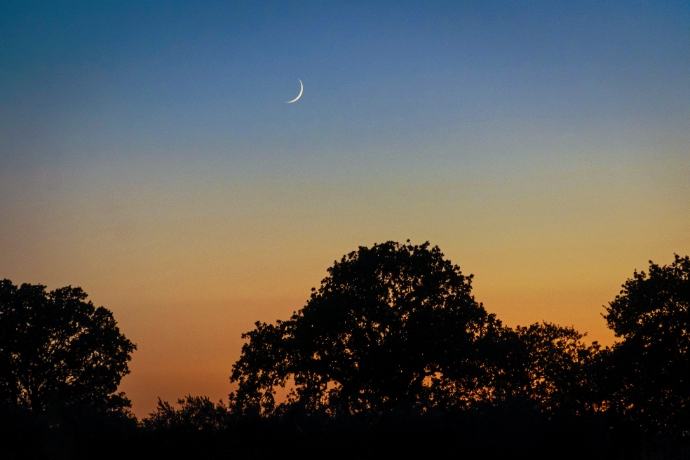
301, 89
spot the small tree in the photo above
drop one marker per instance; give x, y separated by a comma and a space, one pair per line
57, 348
553, 367
199, 428
391, 324
647, 375
196, 413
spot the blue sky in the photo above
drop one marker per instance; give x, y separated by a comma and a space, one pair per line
139, 78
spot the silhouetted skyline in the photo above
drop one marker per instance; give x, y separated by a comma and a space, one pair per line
391, 353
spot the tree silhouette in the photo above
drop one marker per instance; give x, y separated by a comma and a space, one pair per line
196, 413
57, 348
552, 367
391, 324
646, 377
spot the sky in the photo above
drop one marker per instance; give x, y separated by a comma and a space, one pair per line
147, 154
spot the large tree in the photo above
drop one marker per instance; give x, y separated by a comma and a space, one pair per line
646, 376
55, 347
391, 324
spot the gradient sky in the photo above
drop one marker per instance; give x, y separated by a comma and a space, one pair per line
147, 155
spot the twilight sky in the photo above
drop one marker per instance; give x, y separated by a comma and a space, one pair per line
147, 155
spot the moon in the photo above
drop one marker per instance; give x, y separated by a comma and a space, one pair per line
301, 88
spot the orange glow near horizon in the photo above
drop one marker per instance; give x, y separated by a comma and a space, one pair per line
188, 266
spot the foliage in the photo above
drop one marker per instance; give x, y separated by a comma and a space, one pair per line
197, 413
392, 324
199, 428
58, 349
390, 356
554, 370
646, 376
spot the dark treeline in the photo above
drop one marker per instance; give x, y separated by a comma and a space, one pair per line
391, 355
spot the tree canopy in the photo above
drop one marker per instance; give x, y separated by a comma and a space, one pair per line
647, 375
553, 367
391, 324
396, 324
55, 347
